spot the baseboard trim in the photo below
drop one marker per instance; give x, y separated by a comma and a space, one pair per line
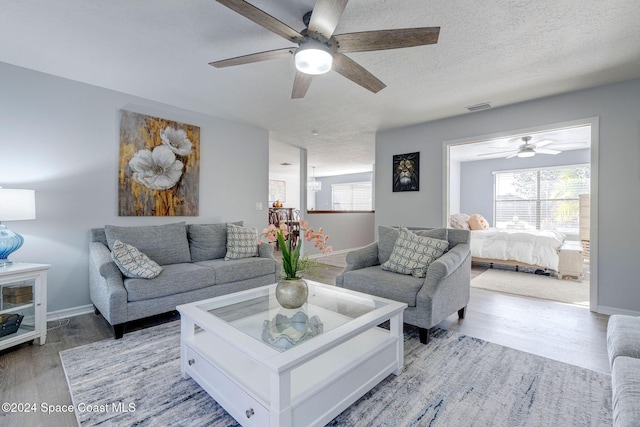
613, 310
69, 312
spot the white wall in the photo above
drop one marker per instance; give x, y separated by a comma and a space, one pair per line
617, 107
345, 230
60, 138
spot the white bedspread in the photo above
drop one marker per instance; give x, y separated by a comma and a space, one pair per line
530, 247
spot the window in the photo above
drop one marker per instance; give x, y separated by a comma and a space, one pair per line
541, 199
352, 196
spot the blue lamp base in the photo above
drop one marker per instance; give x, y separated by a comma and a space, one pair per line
9, 243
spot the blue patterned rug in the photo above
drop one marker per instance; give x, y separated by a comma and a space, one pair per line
455, 380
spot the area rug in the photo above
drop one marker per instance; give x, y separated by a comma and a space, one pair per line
534, 285
455, 380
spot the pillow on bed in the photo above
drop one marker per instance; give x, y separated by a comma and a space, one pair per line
459, 221
477, 222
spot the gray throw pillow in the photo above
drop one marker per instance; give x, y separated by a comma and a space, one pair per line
133, 263
165, 244
413, 254
387, 237
208, 241
242, 242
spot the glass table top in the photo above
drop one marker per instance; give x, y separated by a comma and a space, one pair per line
262, 318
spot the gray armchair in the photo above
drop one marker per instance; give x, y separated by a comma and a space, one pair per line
430, 300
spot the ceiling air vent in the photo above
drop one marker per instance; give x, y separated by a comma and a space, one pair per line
479, 107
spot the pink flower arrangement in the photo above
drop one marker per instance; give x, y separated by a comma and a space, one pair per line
290, 255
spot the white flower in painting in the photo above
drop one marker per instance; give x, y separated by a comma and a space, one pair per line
176, 140
157, 170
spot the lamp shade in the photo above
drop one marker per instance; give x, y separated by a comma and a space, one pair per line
17, 205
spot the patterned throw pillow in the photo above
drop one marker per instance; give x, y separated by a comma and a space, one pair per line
412, 254
133, 263
242, 242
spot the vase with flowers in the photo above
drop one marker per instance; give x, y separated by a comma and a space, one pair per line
292, 291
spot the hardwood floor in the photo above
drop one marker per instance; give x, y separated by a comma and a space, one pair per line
568, 333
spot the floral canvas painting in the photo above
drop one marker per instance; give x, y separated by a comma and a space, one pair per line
159, 167
406, 172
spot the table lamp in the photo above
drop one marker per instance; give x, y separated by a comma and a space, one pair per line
15, 205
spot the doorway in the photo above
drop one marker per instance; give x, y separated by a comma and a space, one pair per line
574, 142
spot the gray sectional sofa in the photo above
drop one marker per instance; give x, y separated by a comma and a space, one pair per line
623, 347
193, 268
430, 300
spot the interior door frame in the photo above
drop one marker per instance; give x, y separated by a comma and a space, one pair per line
594, 122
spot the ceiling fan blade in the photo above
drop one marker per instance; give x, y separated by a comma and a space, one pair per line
547, 151
325, 17
356, 73
543, 143
494, 153
263, 19
254, 57
300, 85
512, 155
387, 39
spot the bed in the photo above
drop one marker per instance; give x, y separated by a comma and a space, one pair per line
525, 248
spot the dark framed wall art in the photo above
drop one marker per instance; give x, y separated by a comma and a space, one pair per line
406, 172
159, 167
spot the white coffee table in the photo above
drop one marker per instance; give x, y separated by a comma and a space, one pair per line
269, 366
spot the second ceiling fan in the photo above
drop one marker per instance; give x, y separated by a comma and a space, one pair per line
319, 50
527, 149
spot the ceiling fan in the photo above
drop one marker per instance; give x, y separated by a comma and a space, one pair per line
319, 50
527, 149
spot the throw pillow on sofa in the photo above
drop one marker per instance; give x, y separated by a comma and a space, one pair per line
165, 244
133, 263
387, 237
208, 241
242, 242
413, 254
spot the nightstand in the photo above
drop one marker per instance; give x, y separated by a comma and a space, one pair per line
571, 263
23, 292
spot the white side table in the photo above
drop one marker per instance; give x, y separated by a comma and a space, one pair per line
23, 291
570, 262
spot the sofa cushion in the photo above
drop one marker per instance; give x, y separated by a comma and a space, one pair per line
208, 241
174, 279
242, 242
623, 336
387, 237
165, 244
385, 284
240, 269
133, 263
412, 254
625, 381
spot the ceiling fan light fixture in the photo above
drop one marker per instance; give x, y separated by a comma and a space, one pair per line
313, 57
526, 152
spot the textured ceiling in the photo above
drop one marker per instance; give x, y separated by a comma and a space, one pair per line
502, 52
